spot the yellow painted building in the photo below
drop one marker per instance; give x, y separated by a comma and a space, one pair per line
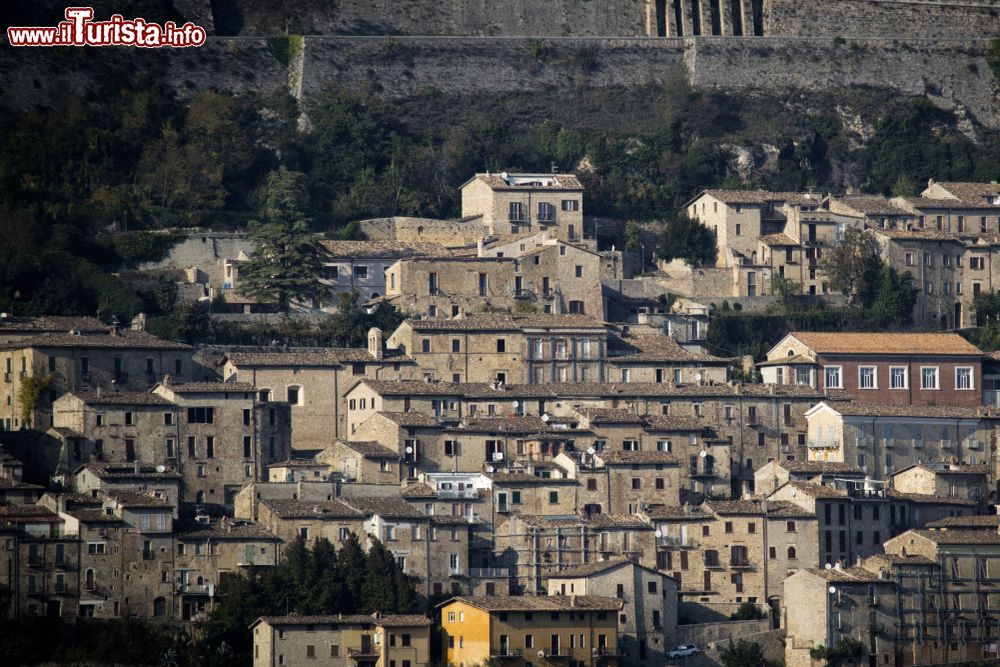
525, 630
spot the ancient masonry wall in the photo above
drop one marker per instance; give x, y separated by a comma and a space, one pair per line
952, 73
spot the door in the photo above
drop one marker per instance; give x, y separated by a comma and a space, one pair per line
958, 315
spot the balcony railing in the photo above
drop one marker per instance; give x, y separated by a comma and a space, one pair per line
458, 493
991, 397
363, 651
609, 652
741, 563
675, 541
489, 572
823, 443
557, 652
506, 652
947, 444
706, 471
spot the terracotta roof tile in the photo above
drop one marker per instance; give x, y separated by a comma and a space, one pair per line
930, 499
383, 249
655, 348
887, 343
957, 536
122, 398
124, 339
492, 603
588, 569
370, 449
916, 411
778, 240
394, 620
533, 181
762, 196
870, 206
985, 521
410, 418
617, 457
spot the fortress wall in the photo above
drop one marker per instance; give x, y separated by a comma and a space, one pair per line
951, 72
551, 18
902, 19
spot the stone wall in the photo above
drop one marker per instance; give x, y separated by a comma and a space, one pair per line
877, 18
953, 74
703, 634
445, 17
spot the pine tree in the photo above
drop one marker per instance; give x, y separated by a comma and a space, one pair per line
286, 264
351, 563
895, 296
378, 591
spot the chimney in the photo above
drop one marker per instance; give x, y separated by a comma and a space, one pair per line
572, 600
838, 566
479, 248
375, 343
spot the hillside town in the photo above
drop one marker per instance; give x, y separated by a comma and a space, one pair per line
543, 449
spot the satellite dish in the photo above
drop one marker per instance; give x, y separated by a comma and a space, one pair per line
591, 451
832, 589
541, 654
658, 533
828, 567
703, 453
161, 468
514, 404
409, 450
698, 376
545, 417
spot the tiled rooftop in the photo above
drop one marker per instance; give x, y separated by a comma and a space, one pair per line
550, 181
887, 343
122, 398
370, 449
539, 603
382, 250
124, 339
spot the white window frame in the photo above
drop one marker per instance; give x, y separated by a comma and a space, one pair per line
874, 370
937, 377
972, 378
906, 377
840, 377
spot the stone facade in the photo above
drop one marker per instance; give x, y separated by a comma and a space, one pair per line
342, 641
648, 629
77, 361
517, 203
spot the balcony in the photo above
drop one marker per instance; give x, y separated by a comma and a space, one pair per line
741, 564
823, 443
609, 652
472, 494
991, 397
64, 564
556, 652
489, 572
8, 377
365, 652
703, 472
946, 444
675, 541
506, 652
36, 562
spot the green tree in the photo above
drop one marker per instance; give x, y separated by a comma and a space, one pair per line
633, 235
744, 654
686, 238
903, 187
748, 611
286, 262
30, 392
993, 57
349, 326
351, 564
895, 297
853, 265
788, 291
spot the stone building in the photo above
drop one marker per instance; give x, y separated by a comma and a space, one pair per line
621, 482
774, 474
359, 266
206, 551
450, 286
532, 547
434, 550
524, 629
314, 383
342, 640
824, 606
366, 462
110, 478
555, 276
647, 624
20, 328
77, 361
726, 553
225, 438
885, 368
508, 203
945, 480
882, 439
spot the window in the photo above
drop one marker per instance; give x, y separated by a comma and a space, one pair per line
293, 395
168, 418
129, 421
977, 263
579, 271
791, 553
553, 497
201, 415
739, 229
361, 271
867, 377
456, 345
425, 345
963, 378
833, 380
729, 526
501, 345
928, 377
897, 377
210, 447
909, 259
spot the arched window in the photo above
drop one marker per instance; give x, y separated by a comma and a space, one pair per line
791, 552
159, 607
89, 580
200, 497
